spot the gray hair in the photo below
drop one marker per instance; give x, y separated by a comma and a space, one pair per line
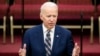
48, 4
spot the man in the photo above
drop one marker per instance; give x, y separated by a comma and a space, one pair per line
48, 39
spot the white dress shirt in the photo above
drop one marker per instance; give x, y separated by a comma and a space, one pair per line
51, 34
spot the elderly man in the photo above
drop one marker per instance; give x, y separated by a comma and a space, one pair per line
48, 39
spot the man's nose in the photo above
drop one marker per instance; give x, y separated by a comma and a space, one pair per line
51, 19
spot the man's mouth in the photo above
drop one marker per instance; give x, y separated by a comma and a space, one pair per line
51, 23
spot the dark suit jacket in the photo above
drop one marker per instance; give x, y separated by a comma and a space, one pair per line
62, 45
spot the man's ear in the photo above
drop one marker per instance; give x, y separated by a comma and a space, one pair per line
41, 16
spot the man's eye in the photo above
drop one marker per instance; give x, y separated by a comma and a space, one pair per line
54, 15
49, 16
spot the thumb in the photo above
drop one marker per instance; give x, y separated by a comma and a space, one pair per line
24, 47
76, 44
77, 48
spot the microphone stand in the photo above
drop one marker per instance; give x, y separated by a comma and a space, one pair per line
95, 5
8, 20
81, 36
10, 3
22, 22
7, 23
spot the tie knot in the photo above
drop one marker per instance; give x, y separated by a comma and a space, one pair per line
48, 32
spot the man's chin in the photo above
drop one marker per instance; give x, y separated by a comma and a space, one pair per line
51, 26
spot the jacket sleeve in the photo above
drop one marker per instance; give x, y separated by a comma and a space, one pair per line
26, 40
70, 44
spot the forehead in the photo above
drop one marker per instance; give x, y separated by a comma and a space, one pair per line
50, 10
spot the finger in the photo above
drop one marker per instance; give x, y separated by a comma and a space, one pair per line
77, 48
24, 47
20, 54
76, 44
20, 50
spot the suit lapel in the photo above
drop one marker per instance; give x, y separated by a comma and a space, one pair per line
41, 38
57, 36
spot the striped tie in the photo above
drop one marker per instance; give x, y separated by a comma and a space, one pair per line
48, 44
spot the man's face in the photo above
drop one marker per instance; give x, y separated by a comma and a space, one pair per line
49, 17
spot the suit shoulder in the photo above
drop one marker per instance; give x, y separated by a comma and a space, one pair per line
63, 29
33, 29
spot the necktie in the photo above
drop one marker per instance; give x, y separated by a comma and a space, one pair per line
48, 44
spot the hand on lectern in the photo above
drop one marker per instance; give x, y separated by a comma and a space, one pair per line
76, 50
22, 51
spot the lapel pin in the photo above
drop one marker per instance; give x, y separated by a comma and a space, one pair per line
57, 36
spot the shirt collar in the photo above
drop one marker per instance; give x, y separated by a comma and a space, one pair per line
45, 29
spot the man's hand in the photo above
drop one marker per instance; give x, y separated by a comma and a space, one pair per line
22, 51
76, 50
